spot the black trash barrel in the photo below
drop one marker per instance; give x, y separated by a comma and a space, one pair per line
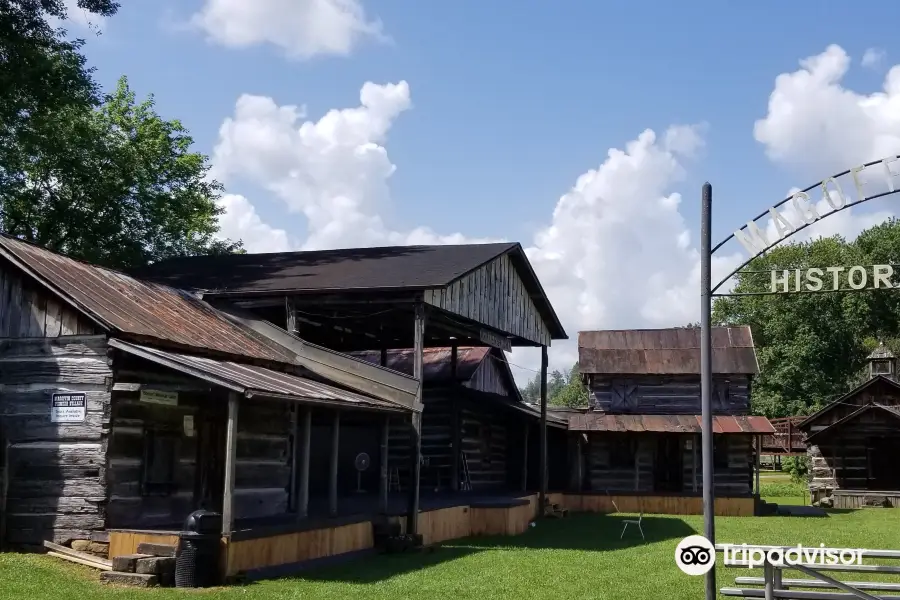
197, 555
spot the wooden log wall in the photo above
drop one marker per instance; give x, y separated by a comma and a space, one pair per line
263, 460
132, 421
437, 419
601, 476
495, 295
841, 461
360, 431
57, 476
484, 442
653, 394
734, 480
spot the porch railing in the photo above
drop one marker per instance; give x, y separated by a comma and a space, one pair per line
787, 439
817, 585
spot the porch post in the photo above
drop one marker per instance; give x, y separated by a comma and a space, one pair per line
306, 434
542, 472
295, 457
333, 471
758, 461
383, 476
455, 435
230, 453
412, 518
694, 444
525, 457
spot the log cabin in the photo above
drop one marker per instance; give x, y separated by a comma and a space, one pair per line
125, 405
471, 403
852, 442
388, 298
639, 440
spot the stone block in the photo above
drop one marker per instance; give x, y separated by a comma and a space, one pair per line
156, 549
154, 565
130, 579
127, 562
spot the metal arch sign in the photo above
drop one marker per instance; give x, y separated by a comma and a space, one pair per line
756, 241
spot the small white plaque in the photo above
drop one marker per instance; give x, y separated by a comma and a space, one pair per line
68, 408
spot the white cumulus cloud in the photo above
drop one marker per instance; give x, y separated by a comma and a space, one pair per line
872, 58
615, 252
299, 28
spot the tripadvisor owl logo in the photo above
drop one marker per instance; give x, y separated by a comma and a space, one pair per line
695, 555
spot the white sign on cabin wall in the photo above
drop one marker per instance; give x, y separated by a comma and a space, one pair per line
159, 397
68, 408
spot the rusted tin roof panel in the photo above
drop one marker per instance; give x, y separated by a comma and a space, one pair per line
665, 351
436, 361
599, 422
254, 380
128, 305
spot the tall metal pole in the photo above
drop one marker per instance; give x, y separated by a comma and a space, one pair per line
706, 377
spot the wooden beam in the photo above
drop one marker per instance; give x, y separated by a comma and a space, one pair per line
295, 456
454, 361
333, 469
542, 496
525, 457
694, 443
159, 387
455, 443
412, 518
383, 475
230, 455
305, 436
290, 316
758, 452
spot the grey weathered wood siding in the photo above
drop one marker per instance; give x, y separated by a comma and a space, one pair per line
29, 311
57, 474
483, 439
263, 461
490, 377
494, 295
841, 461
131, 422
734, 480
654, 394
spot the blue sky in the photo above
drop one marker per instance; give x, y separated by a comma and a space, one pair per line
512, 102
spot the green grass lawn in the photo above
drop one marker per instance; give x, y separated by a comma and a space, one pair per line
580, 557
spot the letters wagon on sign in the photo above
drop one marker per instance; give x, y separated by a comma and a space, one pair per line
68, 408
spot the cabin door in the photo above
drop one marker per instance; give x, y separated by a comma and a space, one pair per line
211, 456
882, 455
668, 471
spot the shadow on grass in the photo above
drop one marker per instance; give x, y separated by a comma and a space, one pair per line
589, 532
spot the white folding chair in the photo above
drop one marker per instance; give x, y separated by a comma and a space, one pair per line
634, 522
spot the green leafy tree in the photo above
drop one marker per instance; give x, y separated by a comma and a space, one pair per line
574, 394
812, 347
119, 186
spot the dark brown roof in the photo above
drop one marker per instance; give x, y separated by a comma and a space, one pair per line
385, 269
845, 399
436, 362
665, 351
253, 380
830, 429
601, 422
146, 310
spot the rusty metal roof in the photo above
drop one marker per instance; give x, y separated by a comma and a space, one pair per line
252, 380
602, 422
673, 351
141, 309
436, 361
